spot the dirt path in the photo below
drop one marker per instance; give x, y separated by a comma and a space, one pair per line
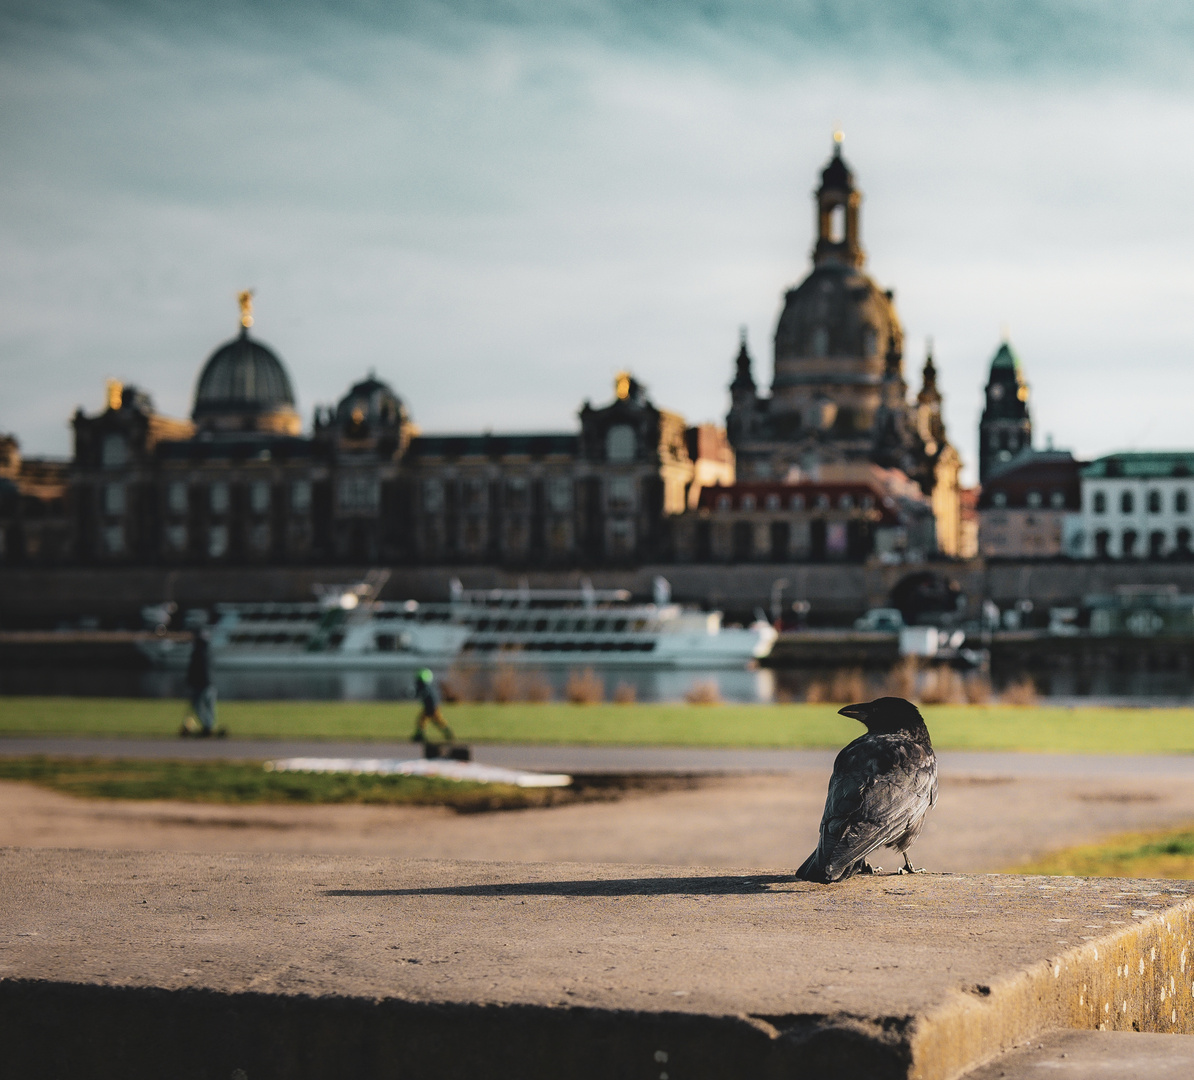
980, 824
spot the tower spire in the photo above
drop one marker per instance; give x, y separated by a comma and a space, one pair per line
245, 299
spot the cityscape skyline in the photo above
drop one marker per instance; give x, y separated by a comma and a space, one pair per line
498, 213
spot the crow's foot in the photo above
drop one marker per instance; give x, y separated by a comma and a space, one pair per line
867, 868
908, 868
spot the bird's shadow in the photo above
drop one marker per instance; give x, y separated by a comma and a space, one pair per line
653, 886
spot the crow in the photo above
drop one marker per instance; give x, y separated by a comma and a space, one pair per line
882, 786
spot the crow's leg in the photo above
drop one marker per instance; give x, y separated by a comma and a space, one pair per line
867, 868
908, 868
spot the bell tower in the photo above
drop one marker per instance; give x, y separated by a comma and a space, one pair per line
1006, 425
838, 201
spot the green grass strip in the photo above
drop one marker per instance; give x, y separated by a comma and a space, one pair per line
954, 727
1134, 855
247, 782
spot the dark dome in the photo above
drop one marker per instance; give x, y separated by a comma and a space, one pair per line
370, 406
244, 378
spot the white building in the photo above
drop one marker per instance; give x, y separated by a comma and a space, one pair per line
1138, 506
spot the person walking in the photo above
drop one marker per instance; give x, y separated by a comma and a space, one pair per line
203, 693
428, 695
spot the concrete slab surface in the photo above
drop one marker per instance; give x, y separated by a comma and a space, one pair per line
502, 969
1095, 1055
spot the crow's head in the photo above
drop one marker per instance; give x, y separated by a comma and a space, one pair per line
886, 714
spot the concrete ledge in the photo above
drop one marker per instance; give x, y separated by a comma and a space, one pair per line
116, 964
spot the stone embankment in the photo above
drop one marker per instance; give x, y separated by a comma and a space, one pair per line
149, 964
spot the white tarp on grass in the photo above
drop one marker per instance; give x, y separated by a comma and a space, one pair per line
449, 770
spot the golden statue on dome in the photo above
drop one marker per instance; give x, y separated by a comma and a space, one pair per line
245, 299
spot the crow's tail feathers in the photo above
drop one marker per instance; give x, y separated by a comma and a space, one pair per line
812, 870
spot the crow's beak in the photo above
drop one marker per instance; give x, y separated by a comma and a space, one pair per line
854, 712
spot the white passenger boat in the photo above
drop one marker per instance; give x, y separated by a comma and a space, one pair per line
347, 629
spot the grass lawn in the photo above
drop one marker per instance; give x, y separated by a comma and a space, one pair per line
1168, 854
246, 782
956, 727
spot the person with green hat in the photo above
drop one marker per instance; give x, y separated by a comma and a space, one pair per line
428, 697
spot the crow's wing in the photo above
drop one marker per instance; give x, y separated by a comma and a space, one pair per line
880, 785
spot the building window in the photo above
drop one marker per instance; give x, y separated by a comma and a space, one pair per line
866, 502
114, 539
1034, 499
259, 538
176, 537
999, 498
819, 344
846, 502
1183, 543
1181, 501
1128, 544
176, 497
1154, 502
748, 502
796, 502
724, 502
559, 494
620, 443
363, 492
114, 499
219, 497
259, 497
433, 496
836, 539
772, 501
1057, 500
1156, 544
621, 537
517, 491
114, 451
1102, 543
621, 493
473, 494
217, 541
822, 502
1100, 502
300, 496
870, 341
1126, 503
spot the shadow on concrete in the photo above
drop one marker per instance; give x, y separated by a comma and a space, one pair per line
653, 886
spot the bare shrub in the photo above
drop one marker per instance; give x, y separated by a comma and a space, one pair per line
847, 686
537, 687
504, 686
901, 680
782, 697
942, 686
584, 688
703, 692
816, 693
625, 694
460, 684
978, 689
1019, 693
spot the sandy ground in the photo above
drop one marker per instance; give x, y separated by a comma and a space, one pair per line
980, 823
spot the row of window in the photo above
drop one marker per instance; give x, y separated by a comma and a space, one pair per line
1130, 543
176, 539
1034, 499
219, 497
516, 493
1154, 501
795, 502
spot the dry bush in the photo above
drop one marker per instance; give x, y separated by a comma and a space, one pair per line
942, 686
625, 694
1019, 693
460, 684
537, 687
782, 697
584, 688
978, 689
816, 693
901, 680
703, 692
847, 686
504, 686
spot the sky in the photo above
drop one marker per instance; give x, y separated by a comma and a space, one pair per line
498, 206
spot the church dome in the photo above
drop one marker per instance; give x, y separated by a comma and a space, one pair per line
370, 407
243, 386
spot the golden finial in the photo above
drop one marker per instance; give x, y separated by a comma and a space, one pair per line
115, 393
622, 385
245, 299
839, 137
